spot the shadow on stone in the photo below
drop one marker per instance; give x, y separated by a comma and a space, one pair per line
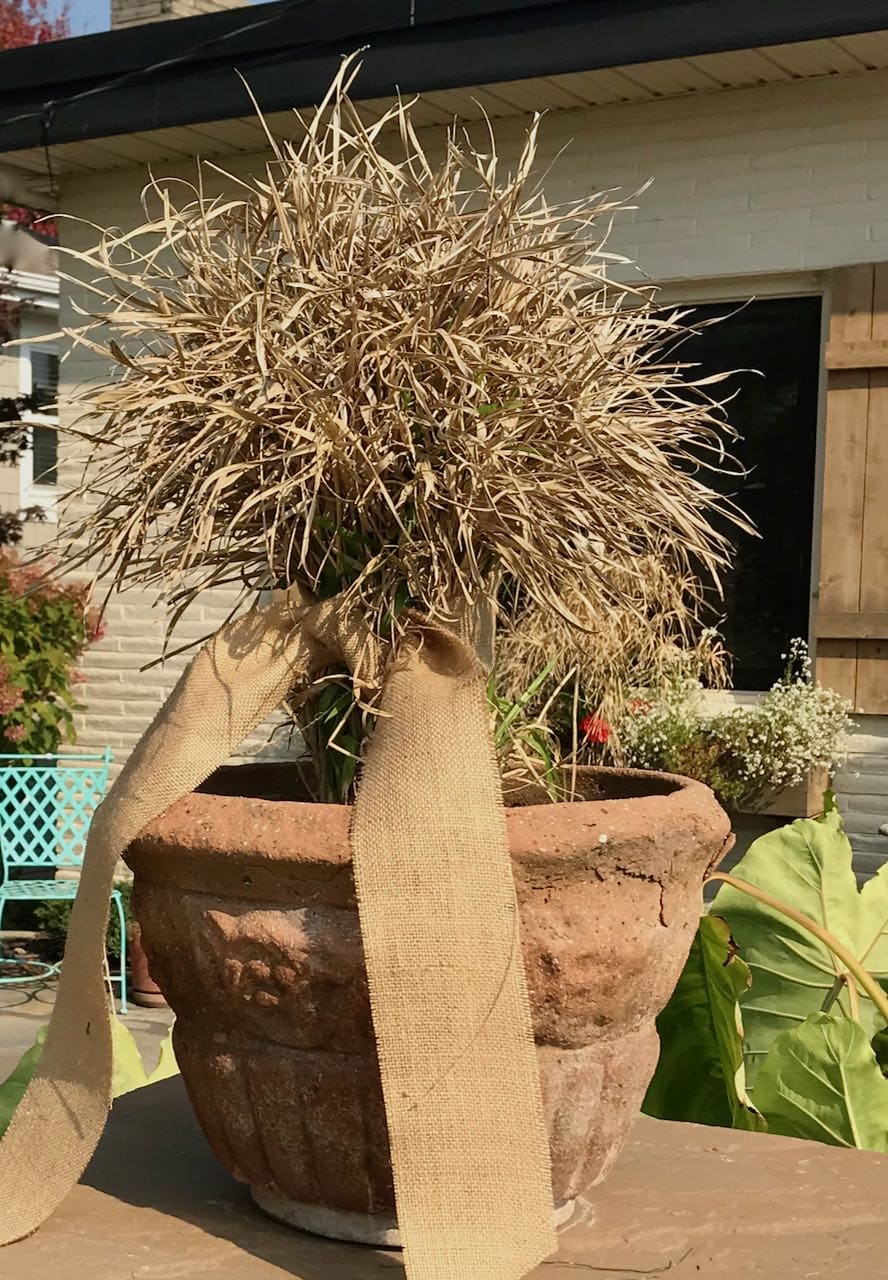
153, 1155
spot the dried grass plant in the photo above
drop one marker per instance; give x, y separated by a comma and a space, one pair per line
400, 380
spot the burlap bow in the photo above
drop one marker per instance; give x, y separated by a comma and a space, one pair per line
439, 925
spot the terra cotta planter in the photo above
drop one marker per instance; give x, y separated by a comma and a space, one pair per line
144, 991
248, 918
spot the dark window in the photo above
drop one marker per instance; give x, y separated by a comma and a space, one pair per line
44, 440
45, 378
44, 443
774, 410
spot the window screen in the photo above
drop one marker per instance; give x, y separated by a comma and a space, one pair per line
44, 440
44, 443
45, 377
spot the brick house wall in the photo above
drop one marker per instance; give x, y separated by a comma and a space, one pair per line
753, 190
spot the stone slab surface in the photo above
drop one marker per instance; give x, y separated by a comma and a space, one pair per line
687, 1202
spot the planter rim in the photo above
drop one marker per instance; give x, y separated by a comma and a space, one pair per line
313, 839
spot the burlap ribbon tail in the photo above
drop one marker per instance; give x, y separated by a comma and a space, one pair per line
439, 926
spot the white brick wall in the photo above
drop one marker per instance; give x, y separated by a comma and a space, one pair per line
785, 178
134, 13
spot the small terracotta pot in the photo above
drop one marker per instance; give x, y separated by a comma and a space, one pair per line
143, 991
248, 917
802, 801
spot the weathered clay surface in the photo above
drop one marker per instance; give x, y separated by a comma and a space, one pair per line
249, 922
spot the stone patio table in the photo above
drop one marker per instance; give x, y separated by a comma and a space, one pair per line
688, 1202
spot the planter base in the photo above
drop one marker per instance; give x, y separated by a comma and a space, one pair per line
378, 1229
148, 999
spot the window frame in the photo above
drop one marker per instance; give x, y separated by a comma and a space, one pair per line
688, 292
32, 494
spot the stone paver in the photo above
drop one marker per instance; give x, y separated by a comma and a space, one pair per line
683, 1201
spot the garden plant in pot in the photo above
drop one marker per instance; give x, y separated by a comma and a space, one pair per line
394, 394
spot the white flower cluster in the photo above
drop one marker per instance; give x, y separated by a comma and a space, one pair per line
658, 725
796, 727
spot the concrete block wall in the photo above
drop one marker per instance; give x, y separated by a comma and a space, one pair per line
786, 179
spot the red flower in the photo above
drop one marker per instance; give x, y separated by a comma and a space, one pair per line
15, 733
640, 707
594, 729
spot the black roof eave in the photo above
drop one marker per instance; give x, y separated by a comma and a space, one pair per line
288, 52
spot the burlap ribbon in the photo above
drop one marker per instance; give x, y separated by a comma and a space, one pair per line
439, 926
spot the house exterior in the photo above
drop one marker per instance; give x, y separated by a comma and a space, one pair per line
751, 144
28, 367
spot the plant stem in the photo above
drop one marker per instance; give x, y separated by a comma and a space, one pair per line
853, 996
851, 963
833, 994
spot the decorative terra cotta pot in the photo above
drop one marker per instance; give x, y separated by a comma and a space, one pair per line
248, 918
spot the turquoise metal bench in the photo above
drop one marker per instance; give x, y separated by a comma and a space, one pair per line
46, 805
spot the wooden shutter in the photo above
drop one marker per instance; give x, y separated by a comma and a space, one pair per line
851, 622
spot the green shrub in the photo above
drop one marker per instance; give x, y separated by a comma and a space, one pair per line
54, 917
44, 627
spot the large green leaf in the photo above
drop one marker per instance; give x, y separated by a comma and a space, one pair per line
808, 866
821, 1081
880, 1049
13, 1087
700, 1076
129, 1070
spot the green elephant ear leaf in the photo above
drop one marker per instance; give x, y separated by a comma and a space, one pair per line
880, 1049
821, 1081
808, 865
13, 1087
129, 1069
166, 1065
700, 1075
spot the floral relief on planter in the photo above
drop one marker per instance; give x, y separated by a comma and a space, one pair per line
249, 920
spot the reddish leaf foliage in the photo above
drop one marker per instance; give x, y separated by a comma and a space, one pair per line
31, 220
24, 22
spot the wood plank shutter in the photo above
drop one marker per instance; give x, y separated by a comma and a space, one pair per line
851, 623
